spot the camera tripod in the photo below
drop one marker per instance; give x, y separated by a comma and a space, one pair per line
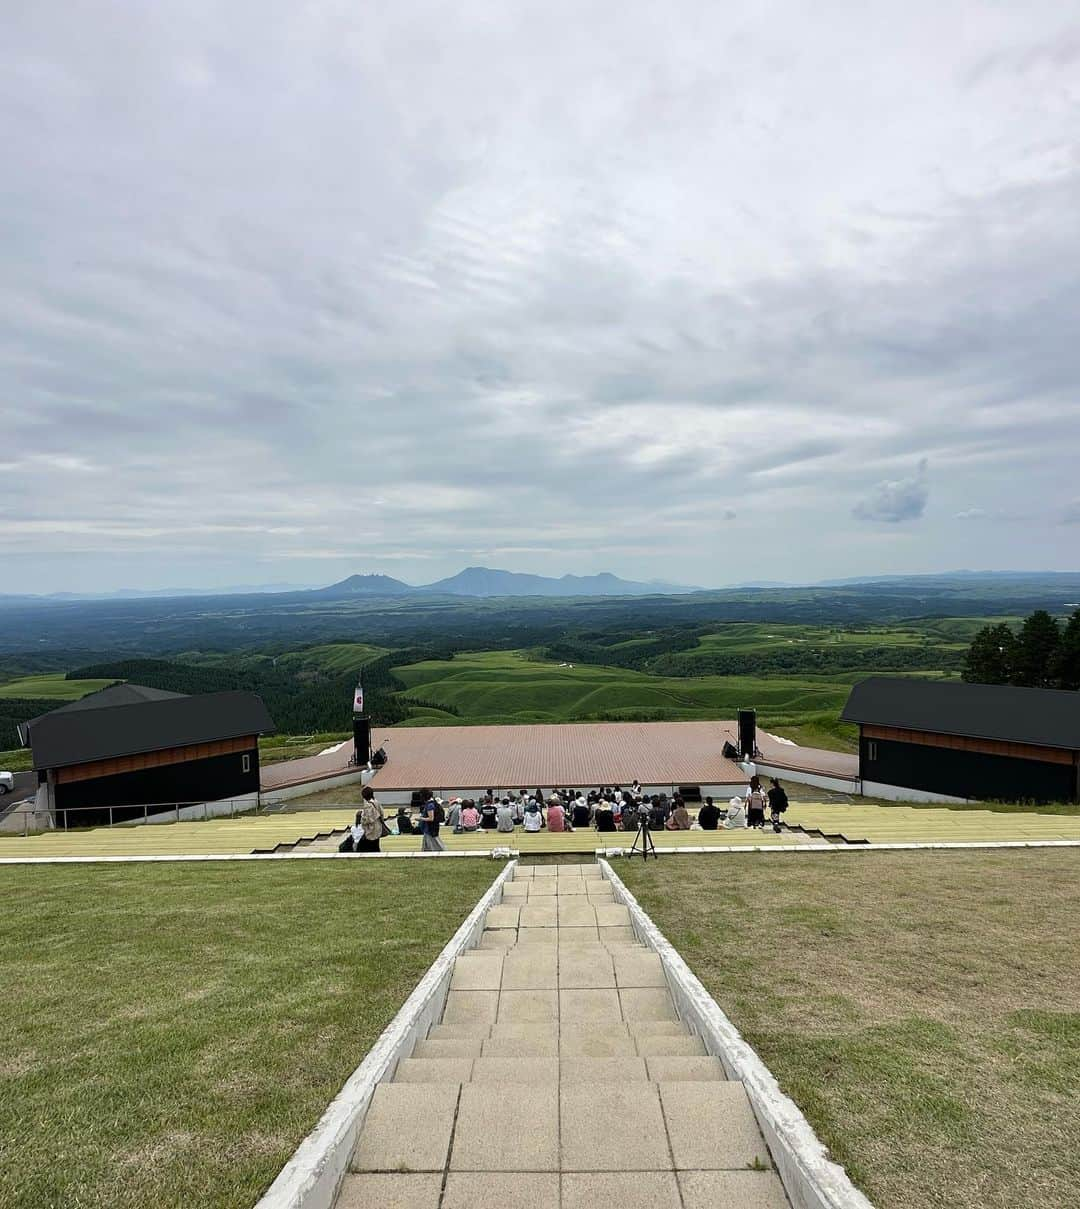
645, 839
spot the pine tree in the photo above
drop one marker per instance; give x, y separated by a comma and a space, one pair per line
1036, 650
1067, 663
991, 655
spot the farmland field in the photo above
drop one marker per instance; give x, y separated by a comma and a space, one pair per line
489, 687
52, 687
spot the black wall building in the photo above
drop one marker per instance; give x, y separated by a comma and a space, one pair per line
133, 749
978, 741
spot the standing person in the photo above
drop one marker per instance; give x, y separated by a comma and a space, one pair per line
756, 802
708, 815
368, 829
635, 788
778, 803
431, 815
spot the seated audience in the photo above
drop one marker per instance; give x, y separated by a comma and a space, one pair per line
489, 815
556, 816
604, 819
453, 815
470, 816
534, 816
708, 815
404, 823
580, 815
735, 818
679, 819
505, 817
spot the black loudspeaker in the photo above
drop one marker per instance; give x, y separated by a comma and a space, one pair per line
731, 752
361, 729
747, 733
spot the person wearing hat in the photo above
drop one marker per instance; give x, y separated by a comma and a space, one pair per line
453, 815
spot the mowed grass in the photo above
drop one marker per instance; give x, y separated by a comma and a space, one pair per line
51, 687
923, 1009
330, 658
169, 1033
496, 687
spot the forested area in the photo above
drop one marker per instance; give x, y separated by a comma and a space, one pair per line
1042, 654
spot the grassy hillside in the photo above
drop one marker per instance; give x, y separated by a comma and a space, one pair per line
53, 687
490, 687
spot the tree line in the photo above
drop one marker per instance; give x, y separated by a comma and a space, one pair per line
1043, 653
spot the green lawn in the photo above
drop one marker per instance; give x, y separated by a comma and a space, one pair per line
169, 1033
506, 687
275, 748
330, 658
923, 1009
51, 687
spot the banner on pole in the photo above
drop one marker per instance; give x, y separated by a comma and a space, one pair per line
358, 700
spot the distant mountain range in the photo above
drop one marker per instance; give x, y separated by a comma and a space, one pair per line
488, 581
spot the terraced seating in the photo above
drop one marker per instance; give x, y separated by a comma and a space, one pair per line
560, 1074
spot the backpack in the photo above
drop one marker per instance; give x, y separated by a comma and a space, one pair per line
440, 814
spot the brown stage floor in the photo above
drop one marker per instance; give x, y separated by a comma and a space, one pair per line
574, 755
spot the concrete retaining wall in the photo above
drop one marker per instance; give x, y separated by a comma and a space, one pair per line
311, 1178
897, 793
812, 1180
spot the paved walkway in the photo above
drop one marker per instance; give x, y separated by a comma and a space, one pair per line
560, 1077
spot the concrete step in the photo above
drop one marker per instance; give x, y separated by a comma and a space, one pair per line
460, 1047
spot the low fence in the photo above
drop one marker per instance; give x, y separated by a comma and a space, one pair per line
30, 818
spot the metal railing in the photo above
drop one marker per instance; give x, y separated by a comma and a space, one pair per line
29, 818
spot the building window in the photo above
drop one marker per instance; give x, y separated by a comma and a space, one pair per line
871, 751
246, 763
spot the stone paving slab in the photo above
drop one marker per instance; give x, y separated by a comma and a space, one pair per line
470, 1005
390, 1191
575, 913
502, 938
505, 915
434, 1070
597, 1045
515, 1070
540, 871
441, 1049
520, 1047
544, 888
497, 1190
638, 968
540, 914
620, 1190
612, 1127
612, 915
572, 887
712, 1126
678, 1046
534, 968
677, 1069
515, 889
507, 1127
477, 972
656, 1028
585, 970
407, 1128
538, 936
602, 1070
646, 1003
521, 1006
589, 1006
462, 1031
730, 1190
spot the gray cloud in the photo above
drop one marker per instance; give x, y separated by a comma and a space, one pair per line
896, 500
290, 292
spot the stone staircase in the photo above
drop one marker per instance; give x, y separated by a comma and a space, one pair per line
560, 1076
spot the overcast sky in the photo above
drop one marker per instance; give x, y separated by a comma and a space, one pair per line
695, 291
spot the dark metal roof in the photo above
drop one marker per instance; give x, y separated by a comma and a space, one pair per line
64, 737
1040, 716
116, 694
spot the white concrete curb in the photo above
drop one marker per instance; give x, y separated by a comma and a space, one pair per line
311, 1178
910, 846
812, 1180
486, 853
